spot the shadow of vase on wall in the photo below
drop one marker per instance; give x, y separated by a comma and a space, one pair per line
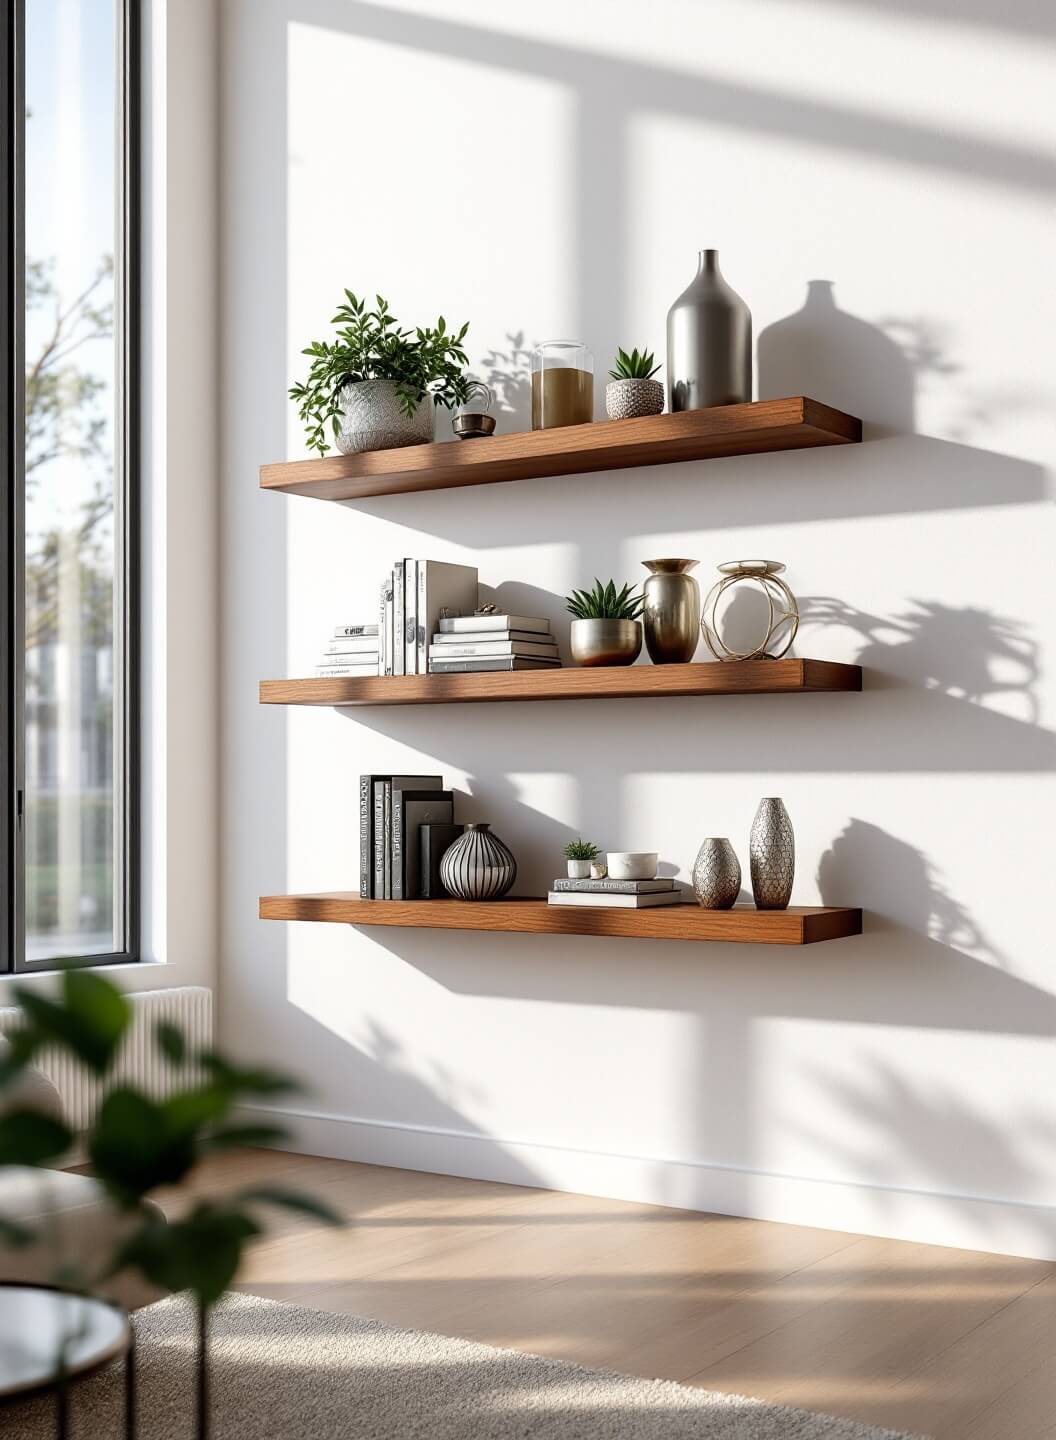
839, 359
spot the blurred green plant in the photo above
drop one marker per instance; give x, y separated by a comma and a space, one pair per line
138, 1144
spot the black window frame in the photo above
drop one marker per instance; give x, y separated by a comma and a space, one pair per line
127, 270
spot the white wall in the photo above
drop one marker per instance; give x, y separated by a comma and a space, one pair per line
553, 169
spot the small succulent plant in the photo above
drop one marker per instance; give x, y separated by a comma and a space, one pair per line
580, 850
605, 602
635, 366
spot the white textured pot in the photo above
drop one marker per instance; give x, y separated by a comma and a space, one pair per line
578, 869
630, 399
373, 419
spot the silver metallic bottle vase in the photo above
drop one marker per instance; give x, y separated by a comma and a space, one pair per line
772, 855
478, 866
709, 342
671, 617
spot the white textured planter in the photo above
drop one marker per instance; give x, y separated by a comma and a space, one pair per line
372, 418
630, 399
578, 869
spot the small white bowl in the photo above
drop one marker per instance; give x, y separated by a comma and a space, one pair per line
632, 864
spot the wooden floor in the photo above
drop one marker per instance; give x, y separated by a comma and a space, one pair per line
948, 1343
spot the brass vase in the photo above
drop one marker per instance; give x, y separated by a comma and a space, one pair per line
672, 611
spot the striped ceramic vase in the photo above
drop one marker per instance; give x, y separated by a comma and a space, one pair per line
478, 866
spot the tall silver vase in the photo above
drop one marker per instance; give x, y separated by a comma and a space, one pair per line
709, 342
478, 866
671, 617
772, 855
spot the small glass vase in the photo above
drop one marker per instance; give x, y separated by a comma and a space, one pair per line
562, 385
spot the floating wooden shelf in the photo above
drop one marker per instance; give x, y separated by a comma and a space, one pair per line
742, 677
797, 423
799, 925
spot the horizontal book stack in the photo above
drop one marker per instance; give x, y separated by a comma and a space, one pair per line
351, 650
623, 894
413, 598
406, 822
492, 642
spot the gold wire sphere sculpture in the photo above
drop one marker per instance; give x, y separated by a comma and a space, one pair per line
782, 610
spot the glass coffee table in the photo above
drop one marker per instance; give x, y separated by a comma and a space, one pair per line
37, 1323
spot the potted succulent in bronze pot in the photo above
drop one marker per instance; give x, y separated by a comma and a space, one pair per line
605, 628
632, 391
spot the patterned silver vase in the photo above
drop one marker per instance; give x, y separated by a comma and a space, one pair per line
772, 855
478, 866
717, 875
373, 419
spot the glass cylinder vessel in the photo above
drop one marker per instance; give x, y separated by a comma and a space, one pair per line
562, 384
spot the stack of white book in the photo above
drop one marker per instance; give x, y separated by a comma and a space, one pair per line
351, 650
492, 642
624, 894
413, 598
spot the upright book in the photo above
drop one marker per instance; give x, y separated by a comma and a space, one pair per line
410, 617
433, 840
398, 648
442, 586
411, 809
385, 626
376, 832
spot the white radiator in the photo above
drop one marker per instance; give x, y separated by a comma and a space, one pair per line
140, 1062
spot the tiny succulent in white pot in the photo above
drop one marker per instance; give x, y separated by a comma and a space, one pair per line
632, 391
578, 855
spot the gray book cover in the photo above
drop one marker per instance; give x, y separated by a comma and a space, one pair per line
411, 809
442, 586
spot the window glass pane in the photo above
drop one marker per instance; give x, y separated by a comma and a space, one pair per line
73, 680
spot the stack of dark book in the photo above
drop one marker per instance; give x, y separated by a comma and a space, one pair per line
351, 650
492, 642
626, 894
406, 822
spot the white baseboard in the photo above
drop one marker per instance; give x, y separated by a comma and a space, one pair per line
1000, 1226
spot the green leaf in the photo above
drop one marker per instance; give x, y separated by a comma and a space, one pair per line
233, 1137
135, 1146
22, 1045
90, 1020
200, 1253
29, 1137
249, 1080
293, 1200
171, 1042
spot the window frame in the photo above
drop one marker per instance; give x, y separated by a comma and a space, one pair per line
127, 312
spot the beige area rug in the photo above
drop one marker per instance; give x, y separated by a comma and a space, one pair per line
280, 1372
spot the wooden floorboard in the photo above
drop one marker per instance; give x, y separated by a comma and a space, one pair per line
949, 1343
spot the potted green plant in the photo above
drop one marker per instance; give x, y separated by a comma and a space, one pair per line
605, 628
579, 854
632, 391
139, 1144
376, 386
